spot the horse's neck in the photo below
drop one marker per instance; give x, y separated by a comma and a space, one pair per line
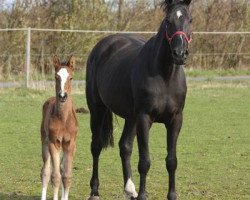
162, 60
63, 110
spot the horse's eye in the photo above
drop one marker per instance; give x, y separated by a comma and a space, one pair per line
191, 20
71, 78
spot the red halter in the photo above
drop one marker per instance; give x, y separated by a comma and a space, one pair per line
188, 39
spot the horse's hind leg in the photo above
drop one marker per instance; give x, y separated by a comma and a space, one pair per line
126, 147
96, 121
54, 150
45, 172
66, 169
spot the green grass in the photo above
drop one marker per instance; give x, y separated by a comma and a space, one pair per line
213, 147
211, 73
80, 74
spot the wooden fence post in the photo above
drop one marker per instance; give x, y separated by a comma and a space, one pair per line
27, 60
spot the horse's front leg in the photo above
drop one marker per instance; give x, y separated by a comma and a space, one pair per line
173, 129
126, 147
143, 125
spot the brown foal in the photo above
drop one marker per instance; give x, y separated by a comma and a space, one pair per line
58, 131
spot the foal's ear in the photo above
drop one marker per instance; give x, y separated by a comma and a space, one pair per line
72, 62
56, 62
187, 2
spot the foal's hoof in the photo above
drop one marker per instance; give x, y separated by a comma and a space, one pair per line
94, 198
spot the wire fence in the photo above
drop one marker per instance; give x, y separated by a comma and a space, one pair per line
27, 52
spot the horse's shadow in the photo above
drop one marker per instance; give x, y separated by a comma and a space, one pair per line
19, 196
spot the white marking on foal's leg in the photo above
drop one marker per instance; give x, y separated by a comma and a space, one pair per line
55, 197
130, 188
63, 198
66, 194
45, 173
179, 13
44, 193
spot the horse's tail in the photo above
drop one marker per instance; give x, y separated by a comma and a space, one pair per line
107, 138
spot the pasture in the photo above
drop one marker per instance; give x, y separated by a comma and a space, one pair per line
213, 147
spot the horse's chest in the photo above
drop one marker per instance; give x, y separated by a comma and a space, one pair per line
160, 101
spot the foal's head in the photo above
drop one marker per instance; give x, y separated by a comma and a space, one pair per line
177, 28
63, 76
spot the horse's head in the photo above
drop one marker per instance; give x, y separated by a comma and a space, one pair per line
63, 76
178, 33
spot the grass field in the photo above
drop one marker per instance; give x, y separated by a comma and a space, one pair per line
213, 148
80, 74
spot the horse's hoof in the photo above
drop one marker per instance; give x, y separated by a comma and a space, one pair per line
94, 198
172, 196
141, 198
130, 195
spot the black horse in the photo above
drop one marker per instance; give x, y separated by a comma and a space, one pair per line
142, 82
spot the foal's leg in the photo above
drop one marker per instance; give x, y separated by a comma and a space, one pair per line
173, 129
126, 146
45, 172
56, 176
66, 170
96, 120
143, 125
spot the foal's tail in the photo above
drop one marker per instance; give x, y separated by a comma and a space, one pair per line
107, 138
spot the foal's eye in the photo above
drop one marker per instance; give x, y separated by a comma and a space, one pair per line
71, 78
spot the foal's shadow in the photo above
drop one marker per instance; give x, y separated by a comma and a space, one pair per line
19, 196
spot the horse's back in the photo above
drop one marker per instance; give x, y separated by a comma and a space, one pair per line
109, 72
111, 45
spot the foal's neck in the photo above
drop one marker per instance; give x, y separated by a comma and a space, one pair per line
64, 109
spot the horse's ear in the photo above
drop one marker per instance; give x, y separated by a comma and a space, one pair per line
168, 2
56, 62
187, 2
72, 62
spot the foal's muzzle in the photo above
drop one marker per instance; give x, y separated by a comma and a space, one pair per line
62, 96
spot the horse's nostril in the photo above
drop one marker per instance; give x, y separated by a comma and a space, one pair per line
178, 53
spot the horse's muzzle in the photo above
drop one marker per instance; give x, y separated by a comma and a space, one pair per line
62, 96
179, 56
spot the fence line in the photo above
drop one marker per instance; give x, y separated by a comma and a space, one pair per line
29, 30
128, 32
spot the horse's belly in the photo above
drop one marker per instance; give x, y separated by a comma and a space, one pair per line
118, 100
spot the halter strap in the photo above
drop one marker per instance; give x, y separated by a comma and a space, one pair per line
188, 39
